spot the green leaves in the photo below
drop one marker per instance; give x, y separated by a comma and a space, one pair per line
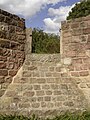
81, 9
45, 43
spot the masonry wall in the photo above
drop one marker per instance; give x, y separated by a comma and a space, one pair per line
48, 84
12, 40
42, 87
75, 49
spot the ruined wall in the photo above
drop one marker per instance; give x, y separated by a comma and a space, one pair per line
43, 87
75, 49
48, 84
75, 52
12, 40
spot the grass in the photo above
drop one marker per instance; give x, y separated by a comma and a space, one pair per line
66, 116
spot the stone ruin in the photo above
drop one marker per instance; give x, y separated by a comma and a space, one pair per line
44, 84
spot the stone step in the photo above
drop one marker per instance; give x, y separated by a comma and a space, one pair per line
43, 57
43, 80
43, 68
44, 74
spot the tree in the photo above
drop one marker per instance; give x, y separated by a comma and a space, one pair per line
80, 10
44, 43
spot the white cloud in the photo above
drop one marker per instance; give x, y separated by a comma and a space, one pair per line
62, 11
26, 8
52, 24
54, 1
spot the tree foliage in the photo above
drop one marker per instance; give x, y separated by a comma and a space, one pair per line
44, 43
80, 10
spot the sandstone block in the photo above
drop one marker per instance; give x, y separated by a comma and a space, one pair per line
27, 86
48, 74
2, 65
39, 99
2, 79
88, 85
47, 98
50, 105
64, 74
50, 80
29, 93
37, 87
31, 99
56, 74
86, 31
43, 104
58, 104
2, 92
75, 74
58, 69
12, 72
41, 80
56, 92
84, 73
69, 104
83, 85
24, 105
3, 72
4, 44
75, 25
61, 98
65, 26
27, 74
40, 93
2, 17
11, 93
48, 92
10, 65
8, 79
36, 74
46, 87
84, 24
3, 58
54, 86
51, 69
35, 105
32, 68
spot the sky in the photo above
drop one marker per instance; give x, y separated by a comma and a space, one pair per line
43, 14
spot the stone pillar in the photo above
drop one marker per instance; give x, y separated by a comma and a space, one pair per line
28, 47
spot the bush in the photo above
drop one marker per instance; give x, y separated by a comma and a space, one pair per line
81, 9
44, 43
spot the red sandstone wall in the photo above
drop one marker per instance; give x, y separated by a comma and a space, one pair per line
75, 46
12, 40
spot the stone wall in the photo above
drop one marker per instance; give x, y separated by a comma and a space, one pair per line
75, 50
47, 84
43, 87
12, 40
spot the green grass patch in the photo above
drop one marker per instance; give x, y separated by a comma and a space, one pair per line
66, 116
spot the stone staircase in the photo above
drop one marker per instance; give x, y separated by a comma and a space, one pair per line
42, 86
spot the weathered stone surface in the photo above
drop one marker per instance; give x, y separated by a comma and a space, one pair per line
1, 92
29, 93
46, 84
2, 65
3, 72
11, 47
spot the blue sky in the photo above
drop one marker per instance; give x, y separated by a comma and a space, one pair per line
44, 14
37, 20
